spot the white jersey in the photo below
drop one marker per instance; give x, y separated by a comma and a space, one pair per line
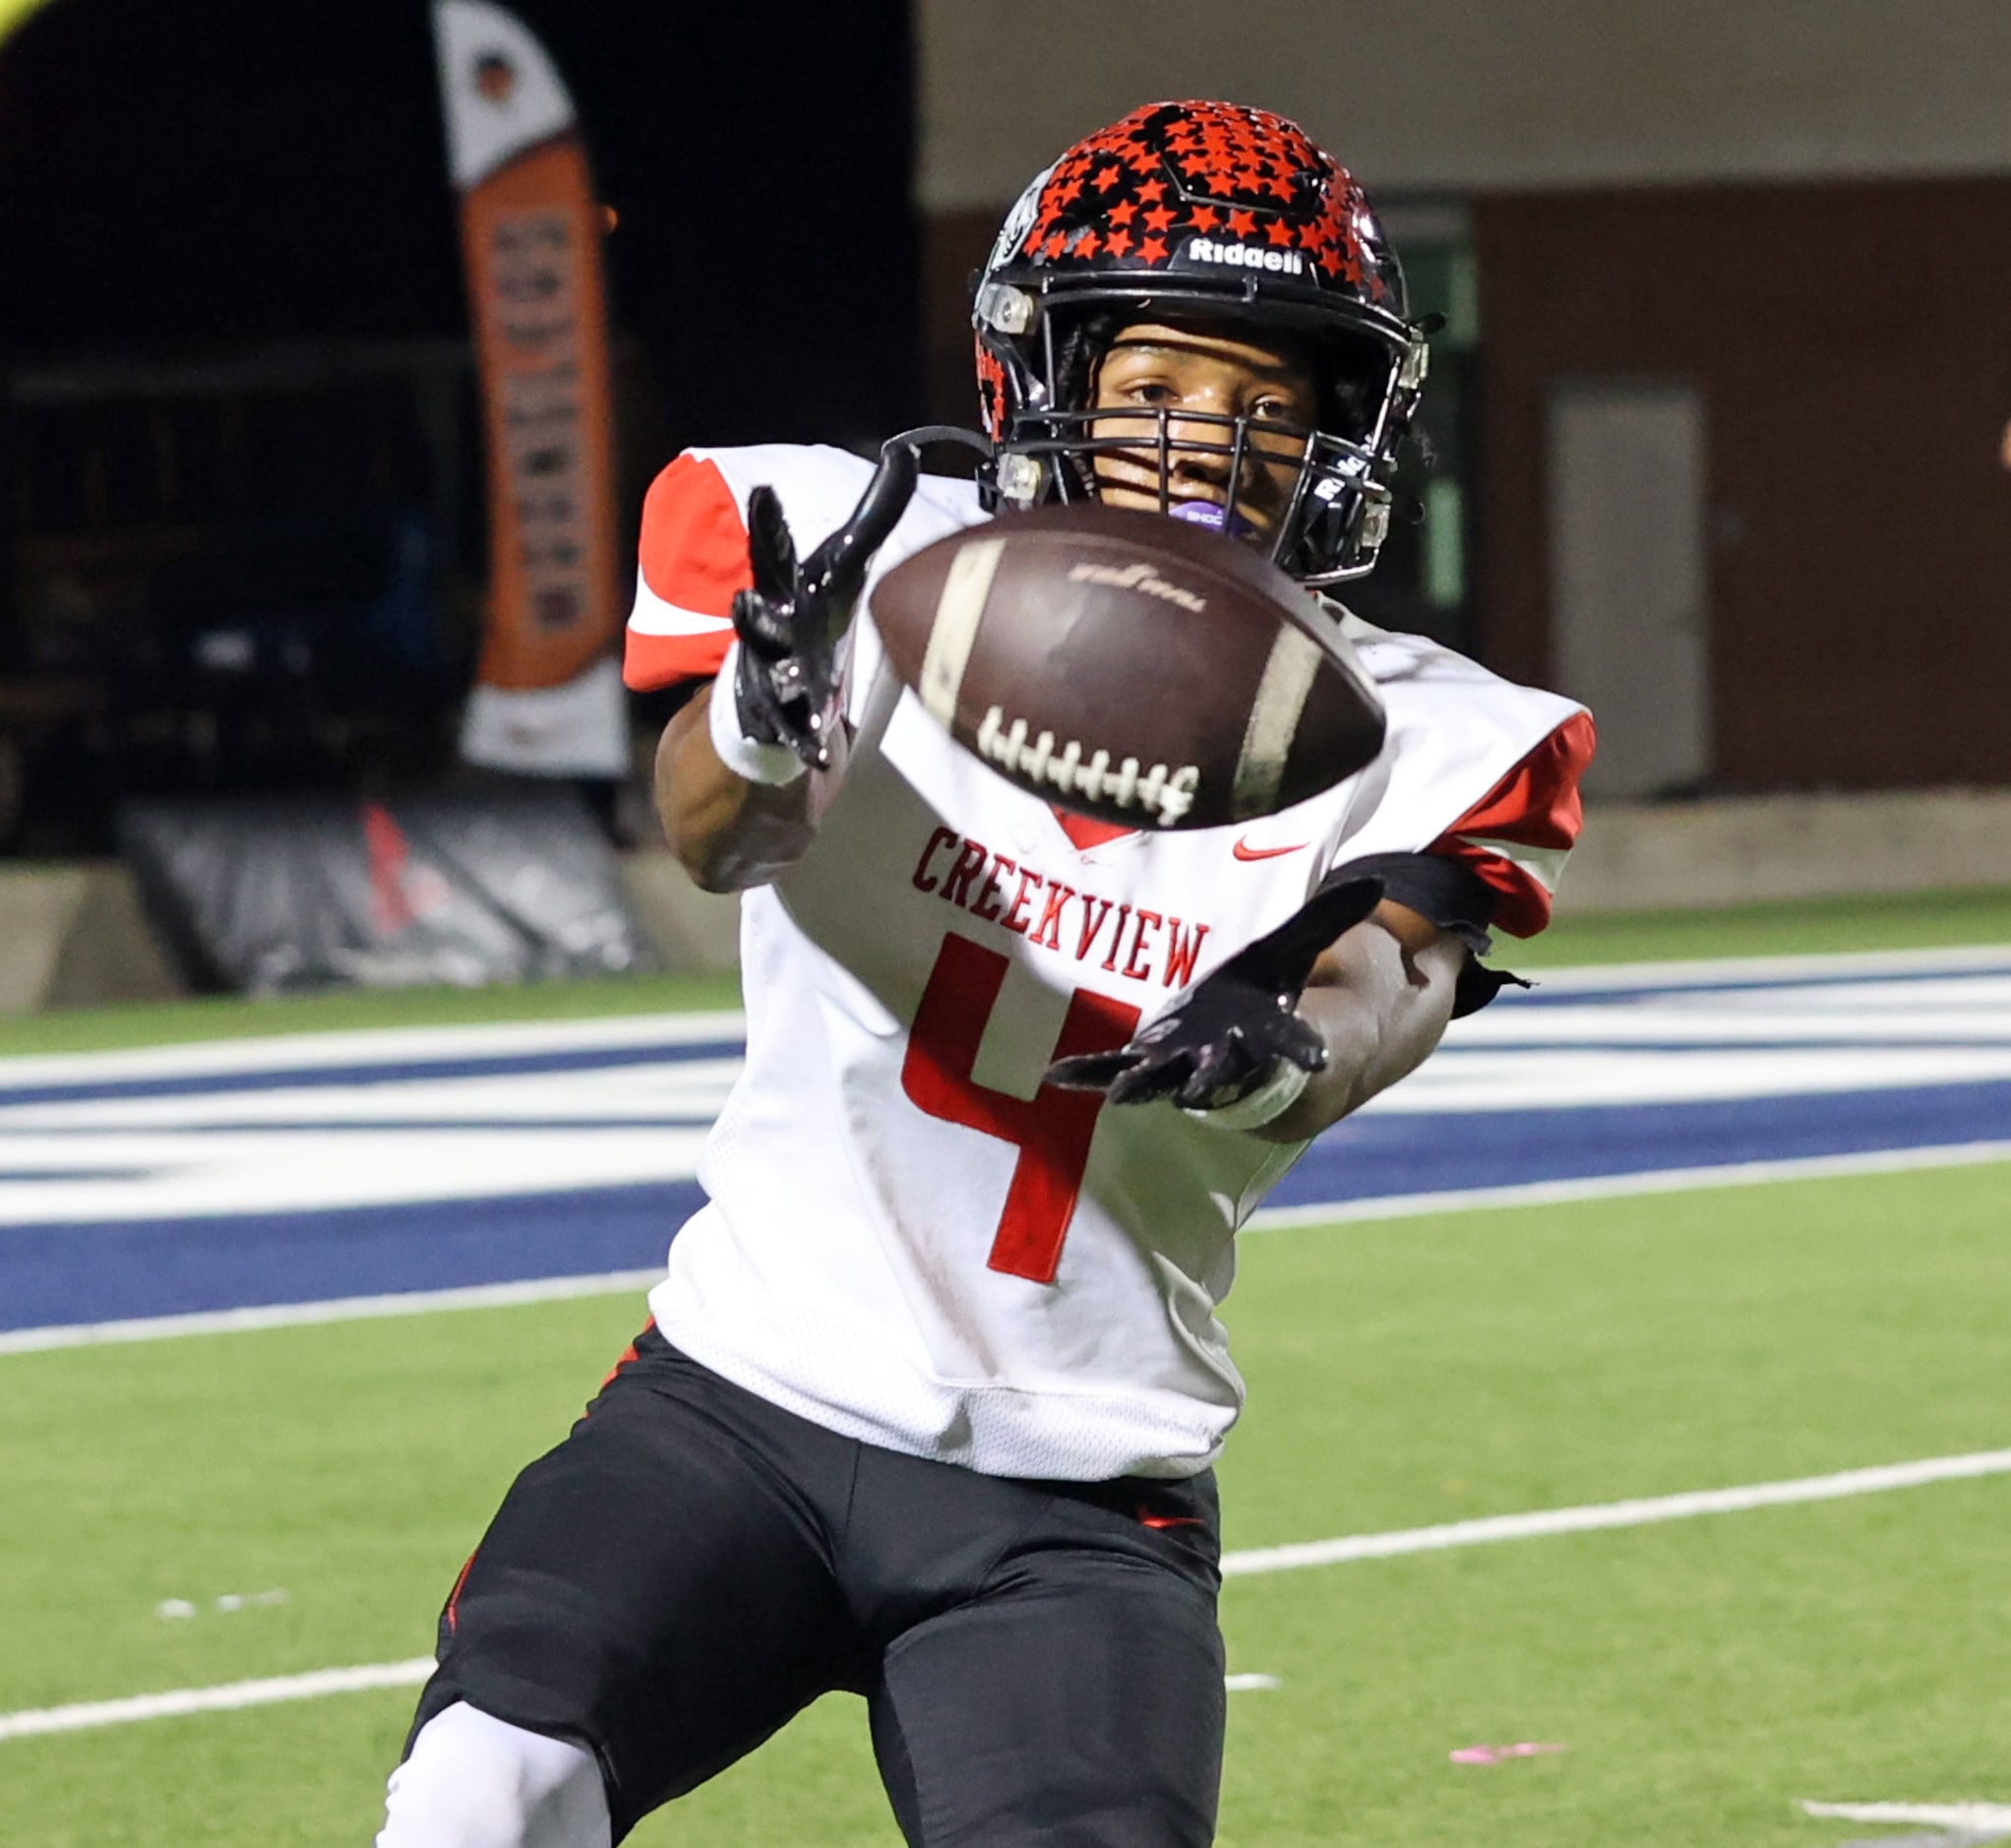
910, 1239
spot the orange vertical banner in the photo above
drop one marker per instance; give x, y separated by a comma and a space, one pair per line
548, 695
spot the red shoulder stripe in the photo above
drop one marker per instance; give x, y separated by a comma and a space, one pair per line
1517, 836
694, 544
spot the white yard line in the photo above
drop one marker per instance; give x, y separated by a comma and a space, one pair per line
1605, 1516
369, 1046
342, 1309
1970, 1822
1617, 1186
232, 1694
1285, 1559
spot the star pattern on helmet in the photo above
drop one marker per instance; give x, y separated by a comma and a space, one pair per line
1132, 195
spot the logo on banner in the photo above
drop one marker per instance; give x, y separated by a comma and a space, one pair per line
534, 259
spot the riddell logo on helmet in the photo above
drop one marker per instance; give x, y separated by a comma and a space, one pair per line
1246, 256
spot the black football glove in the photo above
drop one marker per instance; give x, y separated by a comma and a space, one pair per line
790, 624
1226, 1035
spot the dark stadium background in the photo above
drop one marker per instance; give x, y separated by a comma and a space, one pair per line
235, 391
233, 341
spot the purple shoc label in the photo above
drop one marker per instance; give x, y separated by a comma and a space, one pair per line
1207, 513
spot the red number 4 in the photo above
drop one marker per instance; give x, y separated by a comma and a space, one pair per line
1051, 1129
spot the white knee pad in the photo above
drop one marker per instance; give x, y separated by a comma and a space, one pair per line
476, 1782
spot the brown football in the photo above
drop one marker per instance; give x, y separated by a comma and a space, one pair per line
1129, 666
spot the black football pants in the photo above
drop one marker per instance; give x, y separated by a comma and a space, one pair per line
693, 1566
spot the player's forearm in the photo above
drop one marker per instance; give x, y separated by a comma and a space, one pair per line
727, 833
1381, 998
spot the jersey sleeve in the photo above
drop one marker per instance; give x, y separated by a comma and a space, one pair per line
693, 558
1474, 769
694, 547
1518, 836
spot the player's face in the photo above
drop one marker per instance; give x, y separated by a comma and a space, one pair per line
1196, 380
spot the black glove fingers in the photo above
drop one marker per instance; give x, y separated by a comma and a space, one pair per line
1222, 1073
1158, 1074
770, 549
1300, 1043
762, 626
1091, 1070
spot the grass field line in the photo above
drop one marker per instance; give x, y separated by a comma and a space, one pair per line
221, 1699
1488, 1530
336, 1309
1603, 1515
1617, 1185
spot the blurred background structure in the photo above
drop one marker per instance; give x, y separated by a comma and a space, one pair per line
1717, 430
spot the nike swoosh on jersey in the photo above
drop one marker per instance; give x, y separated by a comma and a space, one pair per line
1244, 851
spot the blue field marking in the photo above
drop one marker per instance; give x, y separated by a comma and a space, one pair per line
54, 1276
218, 1177
1391, 1156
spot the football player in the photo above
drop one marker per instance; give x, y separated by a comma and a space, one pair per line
930, 1394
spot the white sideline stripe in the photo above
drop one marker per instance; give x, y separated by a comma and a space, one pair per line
342, 1309
1826, 966
333, 1048
314, 1049
231, 1695
1617, 1185
1608, 1514
1285, 1559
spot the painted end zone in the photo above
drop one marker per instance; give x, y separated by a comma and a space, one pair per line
203, 1179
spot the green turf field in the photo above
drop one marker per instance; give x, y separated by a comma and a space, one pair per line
1702, 1674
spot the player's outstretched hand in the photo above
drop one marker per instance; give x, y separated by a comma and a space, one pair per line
791, 622
1235, 1032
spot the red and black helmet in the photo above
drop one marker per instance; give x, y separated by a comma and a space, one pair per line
1202, 209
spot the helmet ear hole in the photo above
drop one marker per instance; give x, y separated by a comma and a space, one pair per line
1354, 380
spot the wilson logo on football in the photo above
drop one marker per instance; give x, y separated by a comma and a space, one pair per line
1139, 577
1246, 255
1167, 793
